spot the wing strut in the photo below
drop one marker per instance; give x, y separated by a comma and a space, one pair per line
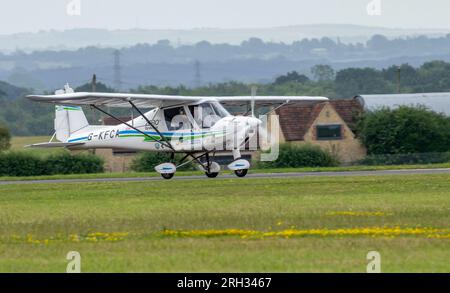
163, 142
151, 124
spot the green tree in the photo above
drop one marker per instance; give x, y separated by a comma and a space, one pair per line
356, 81
409, 77
434, 77
404, 130
100, 87
323, 72
5, 138
293, 76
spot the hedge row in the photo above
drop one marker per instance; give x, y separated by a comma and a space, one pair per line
405, 159
146, 161
25, 164
294, 156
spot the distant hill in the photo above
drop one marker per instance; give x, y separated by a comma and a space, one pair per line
10, 91
251, 61
78, 38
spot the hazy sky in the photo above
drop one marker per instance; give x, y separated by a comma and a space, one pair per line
34, 15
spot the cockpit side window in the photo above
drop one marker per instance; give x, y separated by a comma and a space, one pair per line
220, 110
204, 115
176, 118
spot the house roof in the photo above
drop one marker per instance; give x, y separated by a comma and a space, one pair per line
347, 109
295, 120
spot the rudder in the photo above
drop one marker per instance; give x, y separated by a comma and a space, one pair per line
68, 120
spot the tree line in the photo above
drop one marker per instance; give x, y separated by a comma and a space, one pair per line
164, 51
24, 117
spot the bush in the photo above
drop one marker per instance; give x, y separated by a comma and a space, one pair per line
21, 164
65, 163
26, 164
295, 156
5, 139
405, 159
405, 130
147, 161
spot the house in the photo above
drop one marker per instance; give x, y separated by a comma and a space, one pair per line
328, 125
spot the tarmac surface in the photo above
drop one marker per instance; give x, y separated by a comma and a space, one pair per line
249, 176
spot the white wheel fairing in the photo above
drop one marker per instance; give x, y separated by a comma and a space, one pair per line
166, 168
239, 165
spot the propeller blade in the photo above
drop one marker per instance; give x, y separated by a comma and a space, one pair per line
252, 103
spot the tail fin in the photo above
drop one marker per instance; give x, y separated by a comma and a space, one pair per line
68, 120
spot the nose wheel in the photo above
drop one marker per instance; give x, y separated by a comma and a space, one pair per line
240, 167
241, 173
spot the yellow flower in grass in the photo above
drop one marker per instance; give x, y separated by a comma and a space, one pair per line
342, 232
97, 234
357, 214
106, 236
91, 239
74, 238
32, 240
439, 236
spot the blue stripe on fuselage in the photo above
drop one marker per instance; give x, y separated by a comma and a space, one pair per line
78, 139
149, 133
163, 133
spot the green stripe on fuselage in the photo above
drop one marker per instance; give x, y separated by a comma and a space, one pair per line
172, 136
71, 108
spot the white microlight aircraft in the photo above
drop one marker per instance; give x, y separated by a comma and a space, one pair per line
194, 126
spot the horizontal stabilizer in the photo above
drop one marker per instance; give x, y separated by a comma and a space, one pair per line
54, 144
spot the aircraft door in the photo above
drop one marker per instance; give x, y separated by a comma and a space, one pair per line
176, 119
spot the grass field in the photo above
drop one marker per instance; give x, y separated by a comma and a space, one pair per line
313, 224
18, 143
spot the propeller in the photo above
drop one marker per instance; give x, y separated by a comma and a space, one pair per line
252, 102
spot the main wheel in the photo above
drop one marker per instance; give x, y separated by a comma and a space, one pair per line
167, 176
212, 175
241, 173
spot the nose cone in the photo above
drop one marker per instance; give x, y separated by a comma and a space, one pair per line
245, 126
251, 126
253, 121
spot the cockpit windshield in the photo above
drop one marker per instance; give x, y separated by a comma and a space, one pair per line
208, 113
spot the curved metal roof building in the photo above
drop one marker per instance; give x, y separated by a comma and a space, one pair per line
438, 102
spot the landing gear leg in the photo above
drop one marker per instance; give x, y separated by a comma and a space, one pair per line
212, 168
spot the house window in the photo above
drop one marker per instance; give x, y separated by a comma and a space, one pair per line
329, 132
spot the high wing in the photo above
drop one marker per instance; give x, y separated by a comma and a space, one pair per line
113, 99
151, 101
268, 100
